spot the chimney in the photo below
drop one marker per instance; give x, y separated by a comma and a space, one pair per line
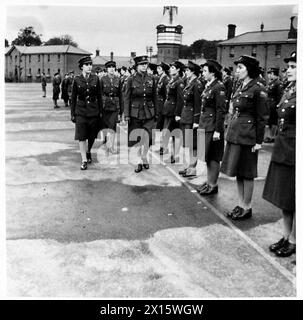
97, 53
111, 56
292, 34
231, 31
132, 54
262, 27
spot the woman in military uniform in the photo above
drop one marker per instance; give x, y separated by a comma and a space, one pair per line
162, 70
56, 88
140, 104
111, 90
174, 101
245, 134
86, 108
213, 110
64, 89
274, 93
279, 186
189, 114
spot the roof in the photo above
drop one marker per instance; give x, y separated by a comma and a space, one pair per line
198, 61
120, 60
270, 36
49, 49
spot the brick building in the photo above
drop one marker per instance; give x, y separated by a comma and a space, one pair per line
269, 47
26, 64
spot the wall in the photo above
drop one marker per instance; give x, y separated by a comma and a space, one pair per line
168, 53
267, 59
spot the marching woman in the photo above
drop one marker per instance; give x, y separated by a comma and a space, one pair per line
245, 134
86, 108
279, 186
139, 108
212, 121
111, 89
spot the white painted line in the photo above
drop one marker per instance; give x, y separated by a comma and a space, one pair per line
287, 274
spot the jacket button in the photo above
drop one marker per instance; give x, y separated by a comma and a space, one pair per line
283, 110
286, 101
292, 107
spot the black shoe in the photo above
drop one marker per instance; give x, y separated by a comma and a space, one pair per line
145, 164
278, 245
89, 157
163, 151
183, 171
139, 168
202, 187
234, 211
242, 214
56, 107
208, 190
83, 165
287, 250
172, 160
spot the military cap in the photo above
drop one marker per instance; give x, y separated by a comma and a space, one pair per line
83, 60
248, 61
227, 70
293, 57
178, 65
98, 69
141, 60
284, 70
109, 64
164, 66
273, 70
193, 66
214, 63
123, 68
72, 71
152, 66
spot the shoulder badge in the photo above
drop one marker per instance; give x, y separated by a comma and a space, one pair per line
181, 85
263, 94
222, 93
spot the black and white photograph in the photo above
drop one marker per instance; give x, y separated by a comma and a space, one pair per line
150, 150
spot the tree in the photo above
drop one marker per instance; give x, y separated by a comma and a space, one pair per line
185, 52
64, 39
6, 43
202, 47
27, 37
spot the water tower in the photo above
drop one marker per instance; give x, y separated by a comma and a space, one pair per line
169, 35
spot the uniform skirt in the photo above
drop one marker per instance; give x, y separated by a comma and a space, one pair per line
110, 119
239, 161
213, 149
56, 92
86, 128
144, 124
279, 188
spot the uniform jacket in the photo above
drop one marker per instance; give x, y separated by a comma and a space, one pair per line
213, 108
190, 112
274, 92
140, 99
56, 85
161, 92
249, 115
43, 81
111, 89
285, 142
174, 97
86, 96
228, 83
64, 88
70, 85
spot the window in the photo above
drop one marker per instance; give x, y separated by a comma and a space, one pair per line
58, 57
160, 51
48, 71
48, 57
168, 51
38, 57
278, 51
39, 71
58, 70
231, 52
16, 57
254, 51
29, 58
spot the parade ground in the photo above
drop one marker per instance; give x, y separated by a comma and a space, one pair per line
108, 232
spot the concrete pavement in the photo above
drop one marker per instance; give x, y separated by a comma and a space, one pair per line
107, 232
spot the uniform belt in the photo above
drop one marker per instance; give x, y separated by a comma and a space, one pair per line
86, 98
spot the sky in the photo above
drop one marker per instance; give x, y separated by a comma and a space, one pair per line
125, 29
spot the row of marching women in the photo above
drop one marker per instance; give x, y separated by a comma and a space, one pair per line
181, 98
